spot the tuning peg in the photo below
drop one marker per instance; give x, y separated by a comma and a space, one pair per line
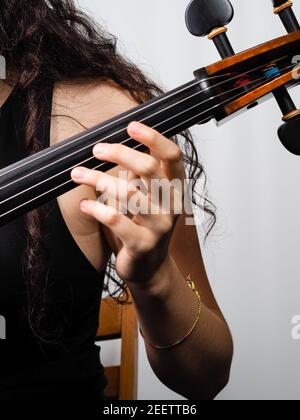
289, 134
284, 10
209, 17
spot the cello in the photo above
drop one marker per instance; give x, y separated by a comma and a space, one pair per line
236, 83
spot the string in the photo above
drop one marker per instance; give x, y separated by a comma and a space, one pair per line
71, 142
50, 151
103, 163
124, 142
135, 148
111, 135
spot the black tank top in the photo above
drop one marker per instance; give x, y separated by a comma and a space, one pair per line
70, 367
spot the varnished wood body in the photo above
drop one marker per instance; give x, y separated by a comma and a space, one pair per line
259, 93
242, 57
252, 58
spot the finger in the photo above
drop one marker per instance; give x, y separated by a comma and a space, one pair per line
141, 164
161, 147
117, 192
133, 236
158, 224
102, 182
131, 176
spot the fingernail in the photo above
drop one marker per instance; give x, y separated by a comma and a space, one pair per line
136, 128
79, 173
100, 149
84, 204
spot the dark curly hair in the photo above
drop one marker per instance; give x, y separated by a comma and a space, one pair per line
47, 41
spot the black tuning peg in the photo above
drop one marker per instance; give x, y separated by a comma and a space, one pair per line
209, 17
289, 133
283, 9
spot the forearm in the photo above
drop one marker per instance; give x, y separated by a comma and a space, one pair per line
166, 306
199, 367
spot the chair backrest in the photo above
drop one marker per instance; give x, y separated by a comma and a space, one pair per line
120, 321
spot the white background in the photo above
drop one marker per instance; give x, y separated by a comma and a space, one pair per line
252, 257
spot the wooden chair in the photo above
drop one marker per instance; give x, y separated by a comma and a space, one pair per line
119, 321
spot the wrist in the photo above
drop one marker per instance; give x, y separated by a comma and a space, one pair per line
160, 284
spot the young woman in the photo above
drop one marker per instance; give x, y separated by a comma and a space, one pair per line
64, 75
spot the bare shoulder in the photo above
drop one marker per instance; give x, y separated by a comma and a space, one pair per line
78, 105
5, 91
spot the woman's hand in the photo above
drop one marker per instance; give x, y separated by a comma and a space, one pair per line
166, 307
144, 235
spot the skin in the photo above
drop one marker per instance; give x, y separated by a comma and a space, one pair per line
155, 254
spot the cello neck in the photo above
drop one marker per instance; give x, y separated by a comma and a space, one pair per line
41, 177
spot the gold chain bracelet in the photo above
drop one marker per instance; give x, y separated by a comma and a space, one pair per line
191, 284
